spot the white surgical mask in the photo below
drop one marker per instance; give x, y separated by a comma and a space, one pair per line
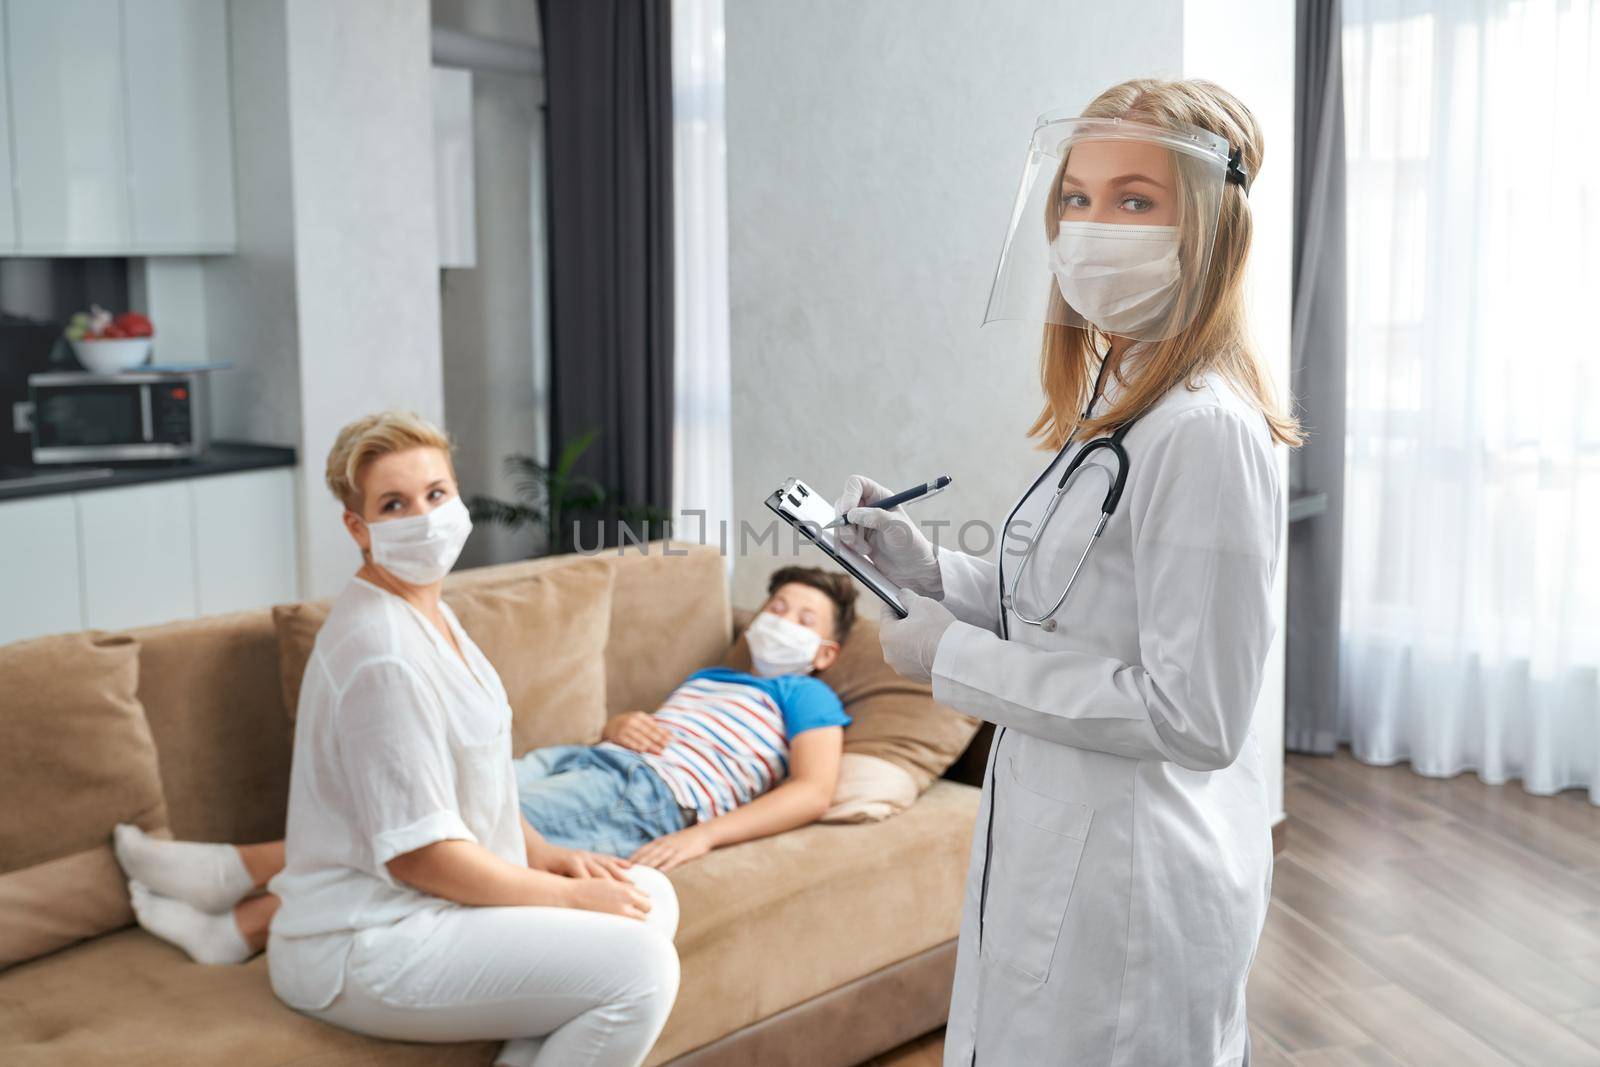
778, 646
1119, 277
421, 549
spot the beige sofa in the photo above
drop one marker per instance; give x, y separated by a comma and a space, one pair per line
824, 945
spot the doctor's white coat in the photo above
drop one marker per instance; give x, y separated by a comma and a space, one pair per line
1122, 860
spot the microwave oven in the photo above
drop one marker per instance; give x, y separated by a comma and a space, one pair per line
132, 415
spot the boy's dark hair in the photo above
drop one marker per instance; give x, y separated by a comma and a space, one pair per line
836, 584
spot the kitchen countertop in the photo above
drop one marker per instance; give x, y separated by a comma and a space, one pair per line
223, 457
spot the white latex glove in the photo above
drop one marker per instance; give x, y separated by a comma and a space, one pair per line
889, 538
909, 644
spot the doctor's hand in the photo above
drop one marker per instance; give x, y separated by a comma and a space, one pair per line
909, 644
897, 548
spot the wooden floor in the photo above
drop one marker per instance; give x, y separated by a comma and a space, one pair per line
1421, 922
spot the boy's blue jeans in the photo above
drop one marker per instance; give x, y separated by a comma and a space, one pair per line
597, 799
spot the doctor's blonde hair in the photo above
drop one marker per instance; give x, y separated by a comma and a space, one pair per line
1218, 338
371, 436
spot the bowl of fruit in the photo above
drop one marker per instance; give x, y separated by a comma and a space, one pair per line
105, 343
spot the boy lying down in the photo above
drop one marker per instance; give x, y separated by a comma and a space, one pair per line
728, 757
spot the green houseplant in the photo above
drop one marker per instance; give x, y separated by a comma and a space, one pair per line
554, 496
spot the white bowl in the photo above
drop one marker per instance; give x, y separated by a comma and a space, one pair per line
111, 354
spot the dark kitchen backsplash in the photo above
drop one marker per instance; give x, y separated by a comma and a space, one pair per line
37, 297
52, 289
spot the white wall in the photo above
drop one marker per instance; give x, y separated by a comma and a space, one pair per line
873, 153
1216, 35
366, 248
330, 308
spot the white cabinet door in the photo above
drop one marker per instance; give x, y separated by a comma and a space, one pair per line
180, 142
8, 218
39, 589
68, 128
138, 555
244, 530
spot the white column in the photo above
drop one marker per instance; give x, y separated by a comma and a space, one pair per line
329, 309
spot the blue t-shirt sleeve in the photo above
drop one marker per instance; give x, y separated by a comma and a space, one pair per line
808, 703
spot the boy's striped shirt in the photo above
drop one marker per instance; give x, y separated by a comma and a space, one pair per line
730, 735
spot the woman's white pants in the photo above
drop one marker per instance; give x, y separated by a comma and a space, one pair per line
561, 986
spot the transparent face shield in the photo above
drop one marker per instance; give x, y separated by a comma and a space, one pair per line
1113, 227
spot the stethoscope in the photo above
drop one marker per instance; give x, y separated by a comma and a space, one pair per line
1112, 444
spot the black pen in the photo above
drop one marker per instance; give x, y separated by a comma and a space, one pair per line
926, 489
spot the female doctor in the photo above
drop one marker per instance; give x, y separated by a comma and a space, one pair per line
1122, 859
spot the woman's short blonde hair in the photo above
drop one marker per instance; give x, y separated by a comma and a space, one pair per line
371, 436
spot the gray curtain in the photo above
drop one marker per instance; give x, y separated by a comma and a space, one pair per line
1317, 380
608, 77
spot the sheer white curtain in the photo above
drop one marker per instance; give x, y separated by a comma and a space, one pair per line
702, 461
1471, 596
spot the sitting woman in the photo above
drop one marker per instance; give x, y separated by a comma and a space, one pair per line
415, 901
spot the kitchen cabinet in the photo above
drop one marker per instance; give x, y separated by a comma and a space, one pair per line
121, 127
68, 131
244, 540
140, 555
180, 174
40, 591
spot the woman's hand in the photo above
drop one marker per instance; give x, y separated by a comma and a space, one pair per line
674, 850
890, 538
910, 644
574, 863
637, 730
608, 897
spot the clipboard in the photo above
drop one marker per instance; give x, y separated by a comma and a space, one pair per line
797, 504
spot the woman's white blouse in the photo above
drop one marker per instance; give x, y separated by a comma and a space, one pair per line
397, 745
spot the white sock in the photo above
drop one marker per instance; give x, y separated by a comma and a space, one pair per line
519, 1052
211, 877
206, 938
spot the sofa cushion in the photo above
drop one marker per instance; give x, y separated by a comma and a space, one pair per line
76, 758
544, 634
892, 718
765, 926
669, 614
870, 790
209, 687
131, 1000
672, 620
772, 923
